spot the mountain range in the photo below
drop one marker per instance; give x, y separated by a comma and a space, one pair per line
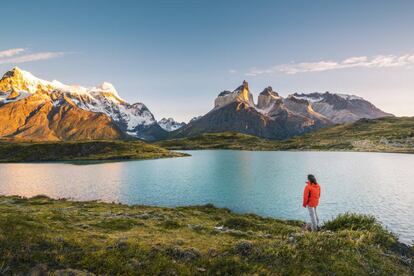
35, 109
40, 110
275, 117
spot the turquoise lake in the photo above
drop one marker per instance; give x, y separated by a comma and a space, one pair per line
265, 183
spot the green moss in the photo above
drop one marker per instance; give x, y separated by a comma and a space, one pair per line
115, 239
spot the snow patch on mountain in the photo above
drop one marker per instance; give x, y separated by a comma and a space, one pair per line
317, 97
6, 97
311, 99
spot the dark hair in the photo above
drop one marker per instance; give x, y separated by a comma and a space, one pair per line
312, 179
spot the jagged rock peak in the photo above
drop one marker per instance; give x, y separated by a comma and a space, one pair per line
240, 94
245, 85
267, 98
269, 91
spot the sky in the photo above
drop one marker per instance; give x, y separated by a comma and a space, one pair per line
175, 56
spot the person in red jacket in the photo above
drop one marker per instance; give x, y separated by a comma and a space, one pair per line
311, 196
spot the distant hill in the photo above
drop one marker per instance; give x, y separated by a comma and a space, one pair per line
275, 117
391, 134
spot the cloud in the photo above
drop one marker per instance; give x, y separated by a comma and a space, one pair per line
10, 52
19, 55
379, 61
232, 71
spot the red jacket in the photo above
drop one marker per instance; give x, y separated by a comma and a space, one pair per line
311, 195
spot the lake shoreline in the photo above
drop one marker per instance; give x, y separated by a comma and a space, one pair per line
104, 237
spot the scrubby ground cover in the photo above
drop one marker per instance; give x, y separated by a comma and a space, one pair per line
60, 236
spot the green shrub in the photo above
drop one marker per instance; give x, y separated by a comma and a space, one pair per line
360, 222
351, 221
170, 224
239, 223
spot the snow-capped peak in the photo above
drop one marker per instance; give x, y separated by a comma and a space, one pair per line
27, 76
106, 88
349, 97
25, 81
170, 124
132, 118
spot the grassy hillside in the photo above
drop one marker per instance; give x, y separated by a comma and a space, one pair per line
58, 236
380, 135
383, 135
87, 150
225, 140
